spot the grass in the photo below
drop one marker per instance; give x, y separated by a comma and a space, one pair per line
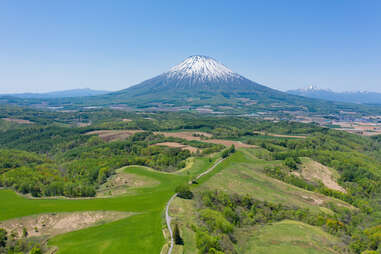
141, 233
184, 214
242, 174
138, 234
287, 237
115, 187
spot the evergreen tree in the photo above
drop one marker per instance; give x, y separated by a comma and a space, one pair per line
178, 239
3, 237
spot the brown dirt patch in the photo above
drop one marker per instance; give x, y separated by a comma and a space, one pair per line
312, 171
52, 224
112, 135
20, 121
199, 137
126, 120
178, 145
123, 182
83, 124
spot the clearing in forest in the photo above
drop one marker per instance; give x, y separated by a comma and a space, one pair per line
287, 237
19, 121
178, 145
112, 135
314, 171
204, 137
122, 182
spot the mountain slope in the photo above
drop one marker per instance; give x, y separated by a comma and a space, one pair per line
362, 97
197, 74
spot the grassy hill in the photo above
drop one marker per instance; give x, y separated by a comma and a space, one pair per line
124, 235
241, 175
288, 237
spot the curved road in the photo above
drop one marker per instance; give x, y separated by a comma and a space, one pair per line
168, 218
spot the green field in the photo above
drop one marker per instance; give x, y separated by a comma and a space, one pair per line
141, 233
242, 175
288, 237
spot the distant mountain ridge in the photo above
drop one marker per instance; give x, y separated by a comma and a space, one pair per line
58, 94
202, 84
360, 97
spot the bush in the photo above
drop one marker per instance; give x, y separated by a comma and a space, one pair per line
177, 236
183, 191
291, 163
36, 250
3, 237
215, 221
206, 243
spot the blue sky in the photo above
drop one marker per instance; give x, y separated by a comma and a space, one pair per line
110, 45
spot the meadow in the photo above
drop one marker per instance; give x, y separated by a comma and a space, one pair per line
288, 237
139, 233
124, 236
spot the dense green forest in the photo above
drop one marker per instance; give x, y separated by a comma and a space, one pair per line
49, 164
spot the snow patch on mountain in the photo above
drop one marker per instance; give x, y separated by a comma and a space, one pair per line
201, 69
346, 96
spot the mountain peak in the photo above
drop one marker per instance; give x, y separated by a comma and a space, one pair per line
200, 68
195, 77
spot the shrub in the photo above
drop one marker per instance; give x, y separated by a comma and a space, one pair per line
3, 237
183, 191
177, 236
215, 221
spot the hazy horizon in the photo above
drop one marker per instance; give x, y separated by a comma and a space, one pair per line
55, 46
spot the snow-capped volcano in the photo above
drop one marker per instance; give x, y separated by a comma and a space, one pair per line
197, 79
200, 69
